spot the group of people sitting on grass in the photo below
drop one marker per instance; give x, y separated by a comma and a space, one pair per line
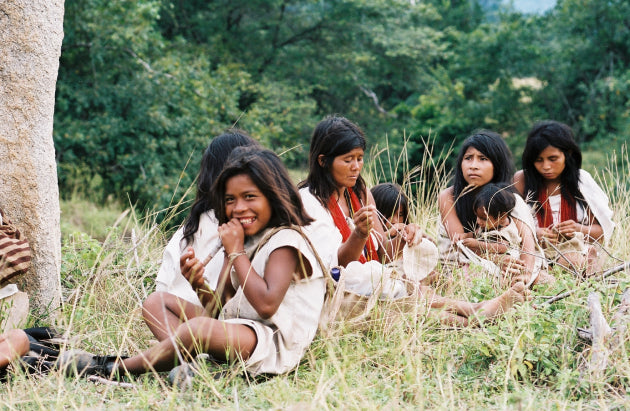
245, 278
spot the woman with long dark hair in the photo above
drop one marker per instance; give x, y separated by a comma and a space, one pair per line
572, 211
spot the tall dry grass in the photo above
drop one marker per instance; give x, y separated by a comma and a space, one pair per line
531, 358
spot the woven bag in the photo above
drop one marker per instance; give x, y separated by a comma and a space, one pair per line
15, 253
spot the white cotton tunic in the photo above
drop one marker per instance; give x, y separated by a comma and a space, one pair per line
285, 336
597, 202
508, 234
169, 278
322, 232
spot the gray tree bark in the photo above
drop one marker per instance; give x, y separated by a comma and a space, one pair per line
31, 32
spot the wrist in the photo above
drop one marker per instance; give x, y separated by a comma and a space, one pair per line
234, 255
360, 235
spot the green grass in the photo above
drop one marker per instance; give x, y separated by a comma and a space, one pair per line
531, 358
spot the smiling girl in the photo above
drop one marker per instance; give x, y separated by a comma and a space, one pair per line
174, 300
571, 209
270, 289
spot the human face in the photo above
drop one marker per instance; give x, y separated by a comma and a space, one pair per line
487, 222
398, 216
477, 168
550, 163
346, 168
244, 201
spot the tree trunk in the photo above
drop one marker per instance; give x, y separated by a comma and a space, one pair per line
31, 32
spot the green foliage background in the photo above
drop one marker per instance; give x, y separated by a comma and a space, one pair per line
144, 85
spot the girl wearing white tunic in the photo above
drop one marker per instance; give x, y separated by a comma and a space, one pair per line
270, 290
174, 299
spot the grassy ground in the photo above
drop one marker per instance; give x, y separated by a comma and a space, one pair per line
531, 358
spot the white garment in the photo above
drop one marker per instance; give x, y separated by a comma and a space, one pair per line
596, 200
284, 337
449, 251
508, 234
170, 279
360, 278
598, 203
322, 232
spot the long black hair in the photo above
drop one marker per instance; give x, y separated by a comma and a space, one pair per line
271, 177
491, 145
332, 137
211, 165
542, 135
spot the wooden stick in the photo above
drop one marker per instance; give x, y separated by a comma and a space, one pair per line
605, 274
600, 331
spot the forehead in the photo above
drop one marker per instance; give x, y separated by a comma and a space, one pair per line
473, 151
358, 151
240, 182
550, 151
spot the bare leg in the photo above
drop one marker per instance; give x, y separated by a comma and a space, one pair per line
13, 344
574, 259
592, 263
457, 312
499, 305
459, 307
164, 312
200, 334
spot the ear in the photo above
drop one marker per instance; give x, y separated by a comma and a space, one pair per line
320, 160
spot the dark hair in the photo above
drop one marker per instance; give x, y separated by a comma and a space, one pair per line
492, 146
332, 137
496, 199
271, 177
211, 165
388, 197
542, 135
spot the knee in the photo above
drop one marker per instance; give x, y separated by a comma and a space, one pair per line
154, 303
19, 341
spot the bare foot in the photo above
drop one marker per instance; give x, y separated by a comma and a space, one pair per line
453, 320
544, 278
501, 304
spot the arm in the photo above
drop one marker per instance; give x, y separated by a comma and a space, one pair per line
528, 246
446, 204
400, 234
266, 293
481, 247
351, 249
193, 269
365, 220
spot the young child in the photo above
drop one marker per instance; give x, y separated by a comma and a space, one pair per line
270, 285
499, 233
413, 251
496, 231
393, 206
